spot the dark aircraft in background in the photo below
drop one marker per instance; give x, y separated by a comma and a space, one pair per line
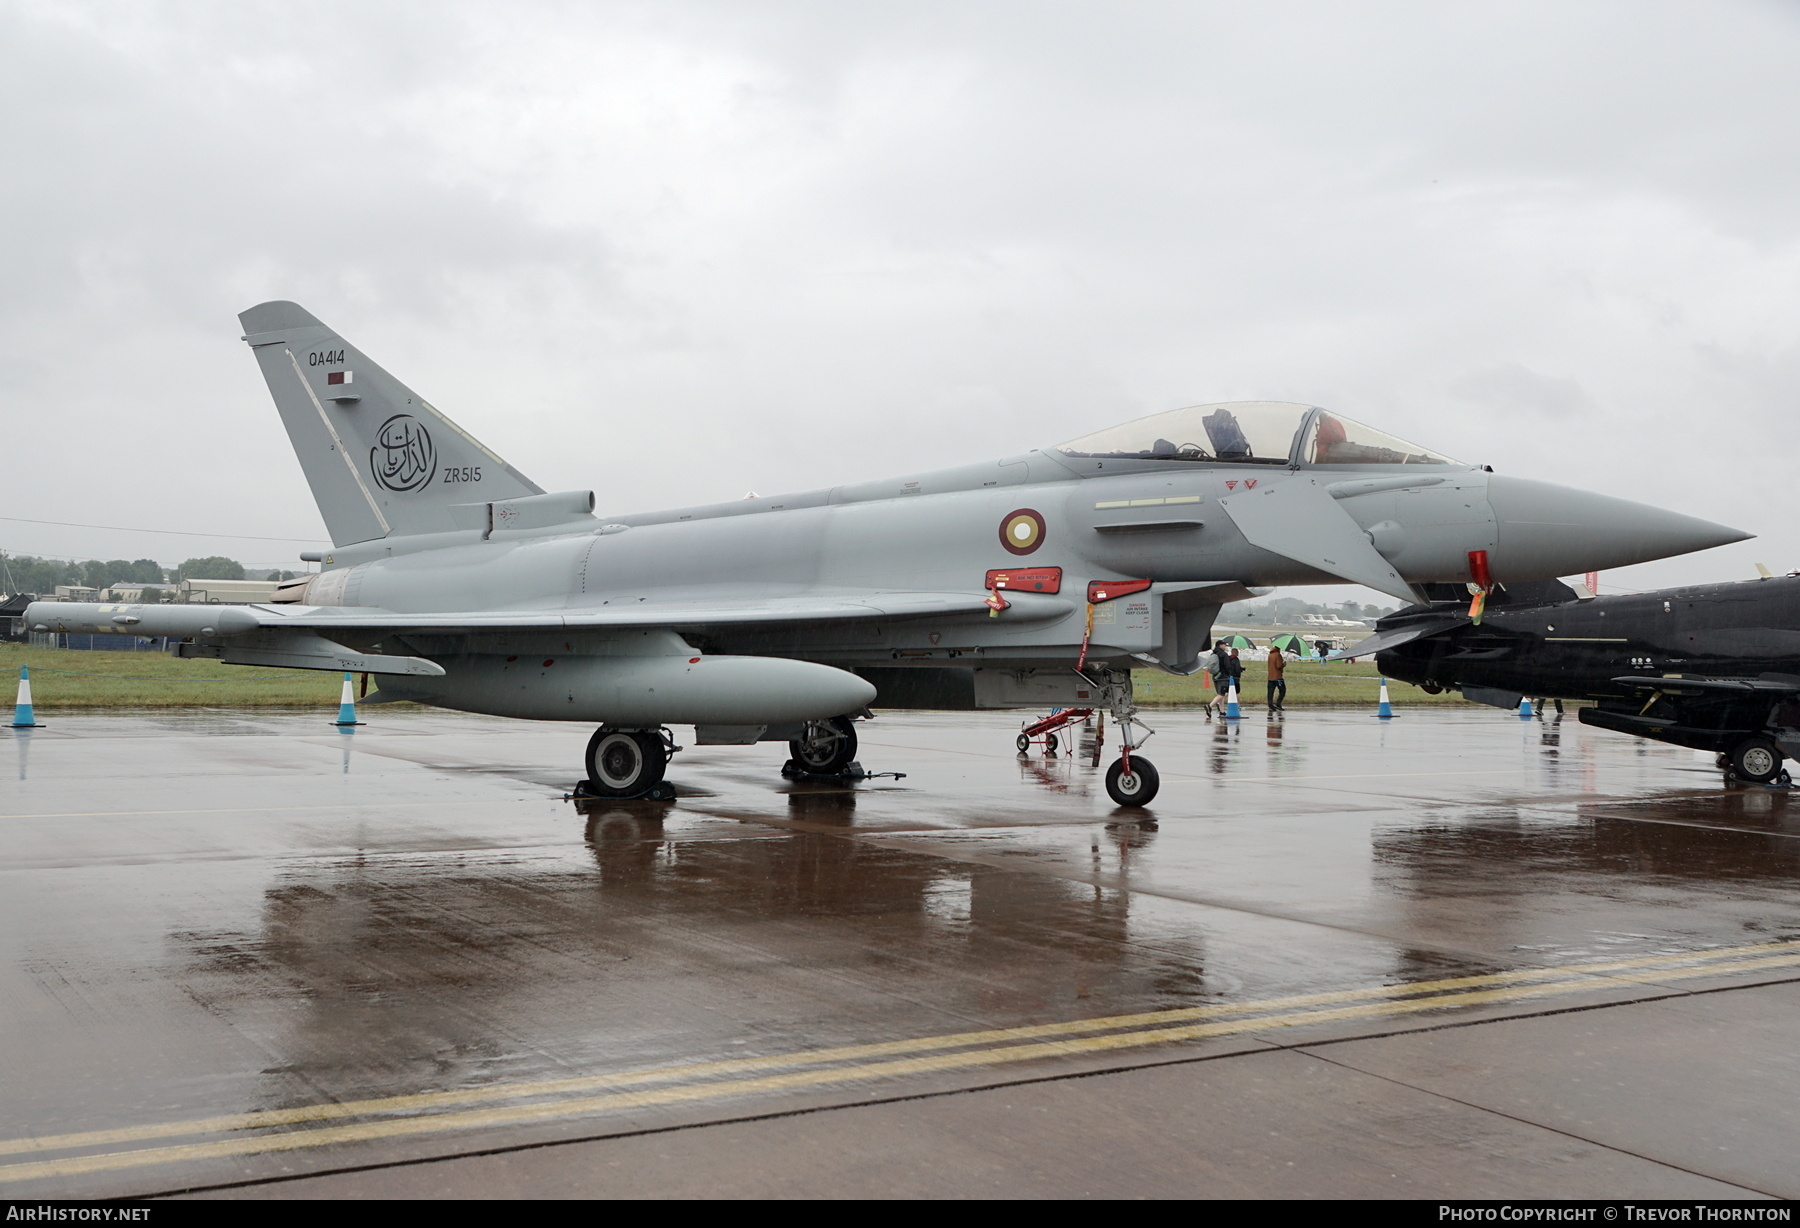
1714, 667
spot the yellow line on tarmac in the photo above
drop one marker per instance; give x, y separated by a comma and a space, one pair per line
548, 1087
522, 1114
1647, 969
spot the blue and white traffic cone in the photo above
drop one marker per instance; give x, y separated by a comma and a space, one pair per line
1524, 708
1231, 703
347, 708
22, 717
1386, 710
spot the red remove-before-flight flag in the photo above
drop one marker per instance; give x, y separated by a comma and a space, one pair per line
1592, 580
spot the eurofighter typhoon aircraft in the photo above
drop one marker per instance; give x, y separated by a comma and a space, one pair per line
1039, 579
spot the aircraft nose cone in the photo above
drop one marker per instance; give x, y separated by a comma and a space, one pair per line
1542, 529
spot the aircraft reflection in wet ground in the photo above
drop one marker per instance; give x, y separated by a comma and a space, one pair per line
273, 933
390, 976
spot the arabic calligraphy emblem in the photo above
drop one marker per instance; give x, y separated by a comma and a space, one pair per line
403, 456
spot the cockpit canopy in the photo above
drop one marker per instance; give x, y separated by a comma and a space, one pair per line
1251, 433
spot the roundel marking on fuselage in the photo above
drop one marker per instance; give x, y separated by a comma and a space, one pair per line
1022, 532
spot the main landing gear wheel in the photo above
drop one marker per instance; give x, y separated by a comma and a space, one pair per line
625, 762
1135, 788
1757, 760
826, 748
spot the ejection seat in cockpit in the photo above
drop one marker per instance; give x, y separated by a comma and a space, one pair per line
1251, 433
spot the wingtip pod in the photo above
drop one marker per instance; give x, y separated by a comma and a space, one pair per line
1543, 529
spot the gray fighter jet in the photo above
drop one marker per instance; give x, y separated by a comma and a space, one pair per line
1039, 579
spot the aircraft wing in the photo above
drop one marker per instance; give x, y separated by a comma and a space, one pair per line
1768, 684
650, 610
1381, 641
307, 637
653, 611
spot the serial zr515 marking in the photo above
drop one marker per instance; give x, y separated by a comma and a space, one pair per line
466, 473
325, 358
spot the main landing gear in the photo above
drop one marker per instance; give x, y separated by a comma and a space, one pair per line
826, 748
1756, 760
629, 763
1132, 780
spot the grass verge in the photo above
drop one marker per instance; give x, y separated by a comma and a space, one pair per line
62, 678
1309, 684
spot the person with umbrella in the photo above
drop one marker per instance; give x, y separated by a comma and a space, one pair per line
1281, 649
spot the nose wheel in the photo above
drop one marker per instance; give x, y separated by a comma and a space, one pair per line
1134, 786
1132, 779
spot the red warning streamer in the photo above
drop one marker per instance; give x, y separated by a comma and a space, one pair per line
1481, 583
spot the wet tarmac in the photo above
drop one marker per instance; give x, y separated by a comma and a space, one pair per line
1452, 954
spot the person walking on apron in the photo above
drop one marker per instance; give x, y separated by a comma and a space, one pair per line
1234, 673
1220, 670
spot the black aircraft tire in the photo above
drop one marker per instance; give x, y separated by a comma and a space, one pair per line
827, 758
625, 763
1137, 789
1757, 760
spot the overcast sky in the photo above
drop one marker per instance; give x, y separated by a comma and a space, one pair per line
678, 251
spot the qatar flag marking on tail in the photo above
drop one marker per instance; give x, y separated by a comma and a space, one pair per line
339, 377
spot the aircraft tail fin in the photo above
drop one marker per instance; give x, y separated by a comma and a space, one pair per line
380, 460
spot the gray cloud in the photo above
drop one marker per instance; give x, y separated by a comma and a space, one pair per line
1511, 387
676, 251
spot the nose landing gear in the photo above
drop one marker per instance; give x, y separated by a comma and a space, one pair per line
1132, 780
